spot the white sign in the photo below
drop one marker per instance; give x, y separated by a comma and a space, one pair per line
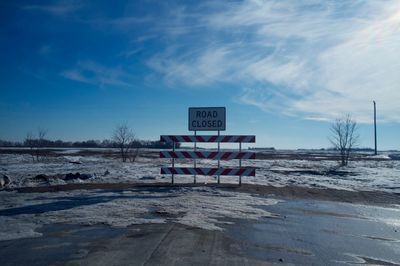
207, 118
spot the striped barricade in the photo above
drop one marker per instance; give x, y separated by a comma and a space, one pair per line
208, 138
244, 171
212, 155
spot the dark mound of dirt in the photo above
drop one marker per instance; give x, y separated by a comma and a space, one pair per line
364, 197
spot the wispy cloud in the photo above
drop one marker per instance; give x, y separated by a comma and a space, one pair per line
93, 73
208, 66
45, 50
57, 9
314, 59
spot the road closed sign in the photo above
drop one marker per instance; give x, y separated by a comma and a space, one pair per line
207, 118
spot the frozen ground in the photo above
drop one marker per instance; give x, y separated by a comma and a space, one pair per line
372, 174
22, 213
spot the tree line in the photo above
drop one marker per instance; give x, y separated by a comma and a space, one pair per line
344, 138
123, 138
83, 144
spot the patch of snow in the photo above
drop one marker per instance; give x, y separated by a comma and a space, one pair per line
199, 207
12, 228
380, 156
68, 151
73, 159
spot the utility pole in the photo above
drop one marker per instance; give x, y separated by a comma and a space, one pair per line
376, 151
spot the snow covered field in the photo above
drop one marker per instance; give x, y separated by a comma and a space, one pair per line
382, 174
204, 207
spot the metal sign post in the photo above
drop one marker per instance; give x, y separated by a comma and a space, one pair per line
219, 166
240, 163
194, 161
173, 162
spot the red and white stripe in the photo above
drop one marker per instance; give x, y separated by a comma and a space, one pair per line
207, 155
208, 138
209, 171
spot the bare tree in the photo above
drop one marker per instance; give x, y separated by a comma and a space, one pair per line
134, 153
40, 143
123, 137
30, 142
344, 137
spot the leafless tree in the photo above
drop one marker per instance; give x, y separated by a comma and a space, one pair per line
134, 153
30, 142
344, 137
36, 144
123, 137
40, 143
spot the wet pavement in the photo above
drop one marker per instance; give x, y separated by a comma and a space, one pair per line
305, 232
323, 233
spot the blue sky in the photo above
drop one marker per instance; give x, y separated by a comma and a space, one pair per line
283, 69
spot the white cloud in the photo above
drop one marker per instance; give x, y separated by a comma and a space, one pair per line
45, 50
56, 9
211, 65
93, 73
314, 59
362, 68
